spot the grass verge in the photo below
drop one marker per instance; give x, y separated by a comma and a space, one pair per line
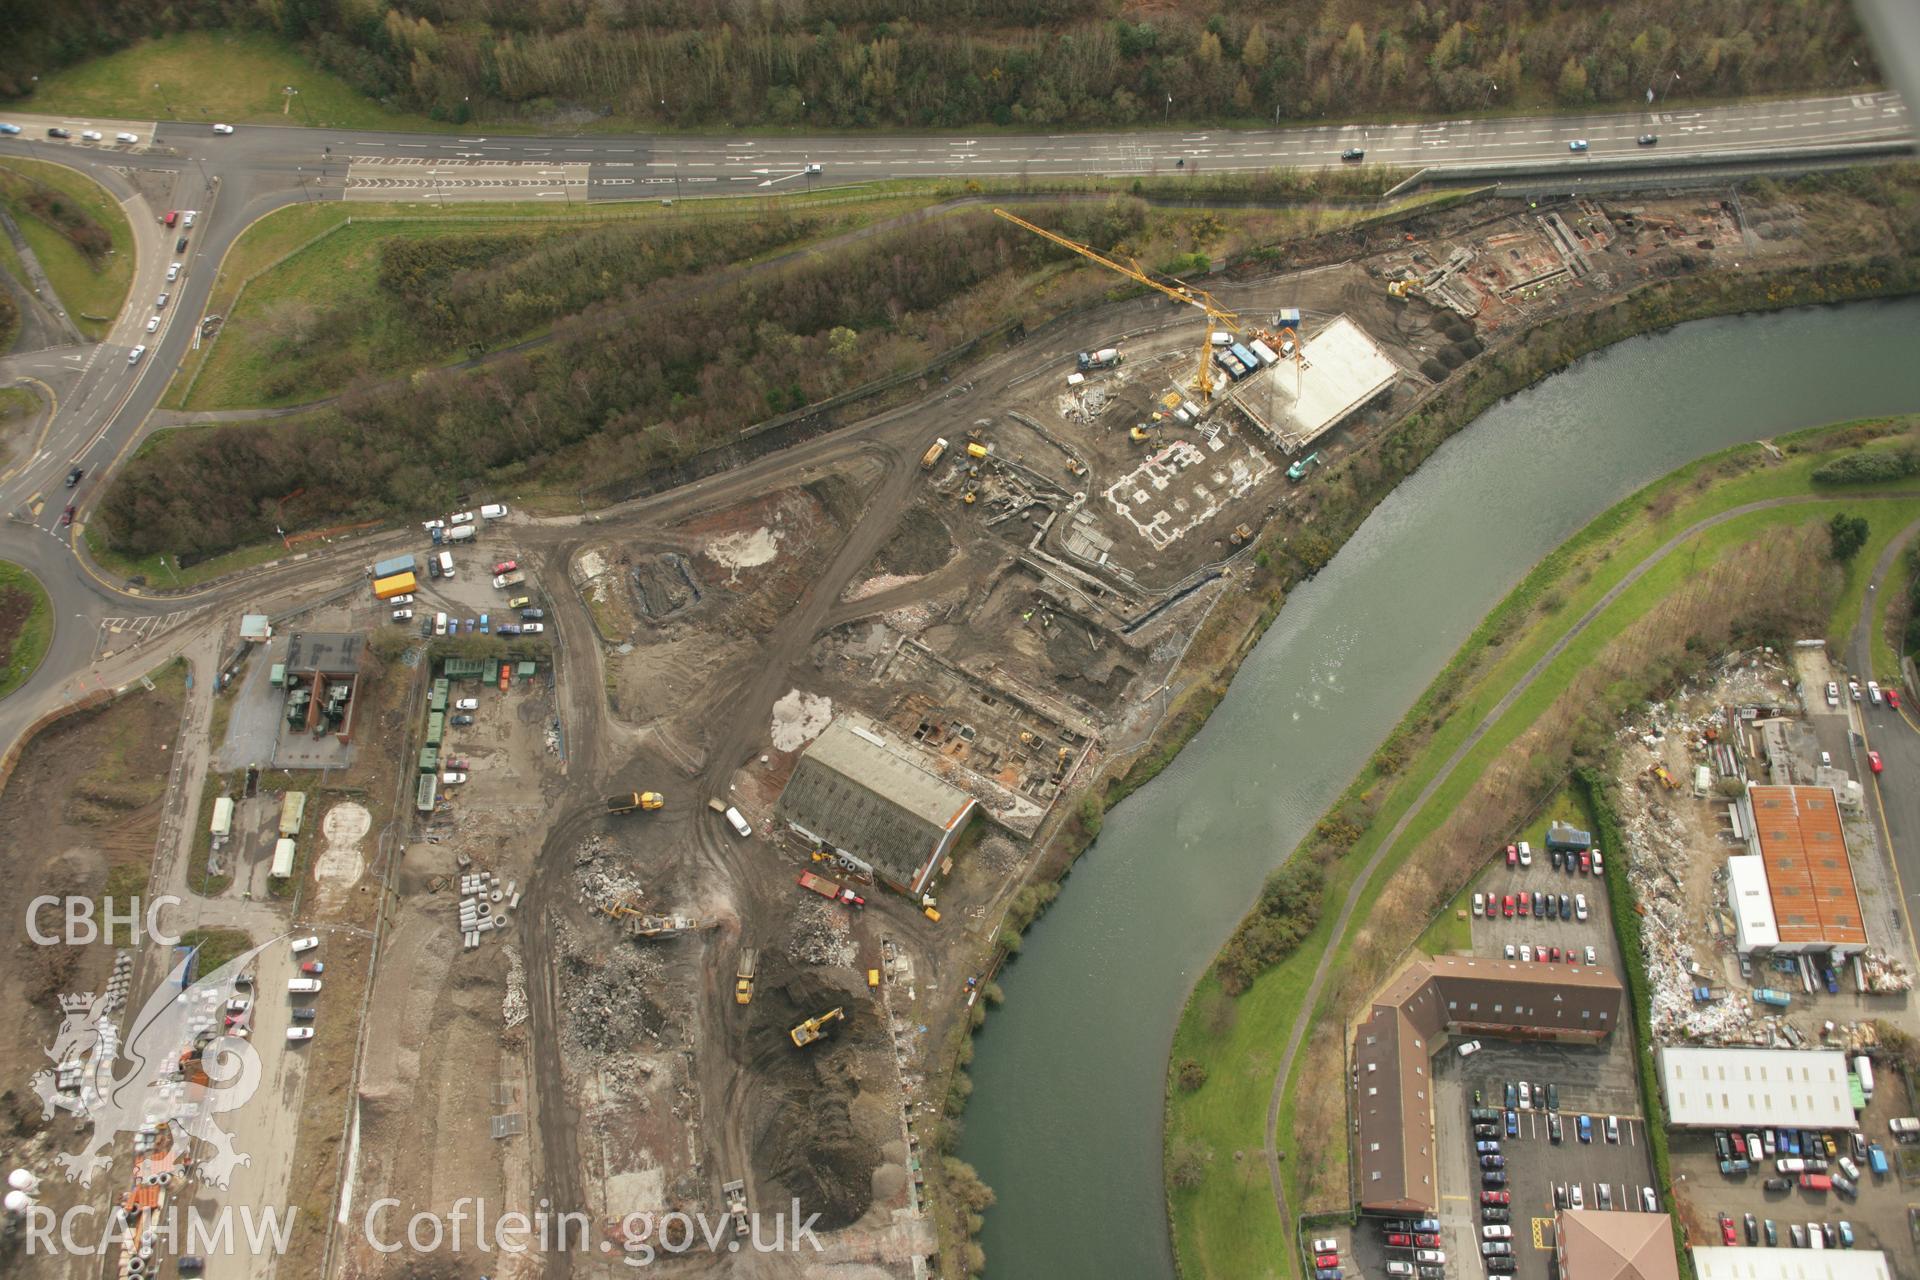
1225, 1224
91, 293
230, 76
26, 626
217, 946
159, 571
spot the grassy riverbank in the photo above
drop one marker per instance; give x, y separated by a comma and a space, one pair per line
1226, 1224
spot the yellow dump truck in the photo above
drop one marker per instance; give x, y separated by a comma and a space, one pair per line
815, 1027
934, 452
632, 800
743, 976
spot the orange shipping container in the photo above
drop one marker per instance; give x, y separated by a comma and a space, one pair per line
399, 584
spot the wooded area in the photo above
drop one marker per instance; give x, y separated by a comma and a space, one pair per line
626, 388
1034, 63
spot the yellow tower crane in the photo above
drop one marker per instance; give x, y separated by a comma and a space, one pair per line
1217, 316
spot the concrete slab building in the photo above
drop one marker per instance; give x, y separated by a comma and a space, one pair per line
866, 799
1720, 1262
1413, 1015
1809, 872
1593, 1245
1341, 370
1755, 1088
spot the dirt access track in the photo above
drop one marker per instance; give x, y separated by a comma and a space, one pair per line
1001, 618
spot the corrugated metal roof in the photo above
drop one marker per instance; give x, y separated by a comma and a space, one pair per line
1801, 1088
1809, 876
858, 794
1721, 1262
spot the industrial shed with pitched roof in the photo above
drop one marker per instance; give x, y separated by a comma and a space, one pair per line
867, 800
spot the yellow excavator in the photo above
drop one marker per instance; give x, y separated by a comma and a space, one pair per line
1218, 317
815, 1027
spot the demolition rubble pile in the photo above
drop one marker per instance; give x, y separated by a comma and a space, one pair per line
513, 1005
820, 937
604, 888
1656, 843
609, 996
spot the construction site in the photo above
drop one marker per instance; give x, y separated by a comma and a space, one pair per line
681, 904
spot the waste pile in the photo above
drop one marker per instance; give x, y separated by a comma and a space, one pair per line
1883, 974
610, 999
604, 888
513, 1005
820, 937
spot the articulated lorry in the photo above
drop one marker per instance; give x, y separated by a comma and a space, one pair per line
635, 800
398, 564
830, 889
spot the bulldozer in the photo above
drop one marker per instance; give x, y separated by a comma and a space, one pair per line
815, 1027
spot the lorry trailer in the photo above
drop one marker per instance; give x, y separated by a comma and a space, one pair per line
743, 976
397, 564
830, 889
934, 452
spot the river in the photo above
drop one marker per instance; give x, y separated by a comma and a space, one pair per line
1068, 1075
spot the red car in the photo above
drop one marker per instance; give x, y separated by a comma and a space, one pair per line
314, 967
1427, 1242
1556, 955
1523, 904
1540, 954
1506, 907
1327, 1260
1893, 698
1739, 1146
1399, 1242
506, 566
1586, 862
1873, 758
66, 517
1496, 1197
1726, 1228
1513, 855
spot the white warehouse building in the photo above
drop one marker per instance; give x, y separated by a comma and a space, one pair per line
1756, 1088
1721, 1263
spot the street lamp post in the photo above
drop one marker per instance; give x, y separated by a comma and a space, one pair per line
1169, 112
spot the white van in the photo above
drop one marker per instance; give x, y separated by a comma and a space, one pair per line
302, 986
494, 511
740, 824
1220, 338
463, 534
439, 624
446, 564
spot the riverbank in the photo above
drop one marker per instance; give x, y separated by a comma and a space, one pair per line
1297, 549
1457, 796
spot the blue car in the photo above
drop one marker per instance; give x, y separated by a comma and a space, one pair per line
1586, 1128
1513, 1124
1832, 980
484, 629
1487, 1148
9, 129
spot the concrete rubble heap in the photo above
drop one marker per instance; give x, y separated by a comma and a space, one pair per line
819, 937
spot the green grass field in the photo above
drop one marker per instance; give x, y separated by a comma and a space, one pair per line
232, 77
1226, 1225
26, 626
93, 297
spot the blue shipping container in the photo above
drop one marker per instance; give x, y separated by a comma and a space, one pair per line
399, 564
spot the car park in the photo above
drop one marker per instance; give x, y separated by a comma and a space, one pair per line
1526, 854
1525, 905
1511, 952
1495, 1248
1603, 1192
1798, 1234
1496, 1197
1554, 1131
1771, 1232
1648, 1201
1833, 693
400, 599
1326, 1244
1486, 1147
1433, 1257
533, 615
1496, 1232
1613, 1129
1526, 952
1506, 907
1593, 957
1399, 1240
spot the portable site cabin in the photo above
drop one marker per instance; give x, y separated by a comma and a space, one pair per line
282, 859
293, 808
222, 817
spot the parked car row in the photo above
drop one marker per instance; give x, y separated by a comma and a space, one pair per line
1573, 1195
1413, 1248
1520, 856
1810, 1159
1814, 1235
1538, 905
307, 984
